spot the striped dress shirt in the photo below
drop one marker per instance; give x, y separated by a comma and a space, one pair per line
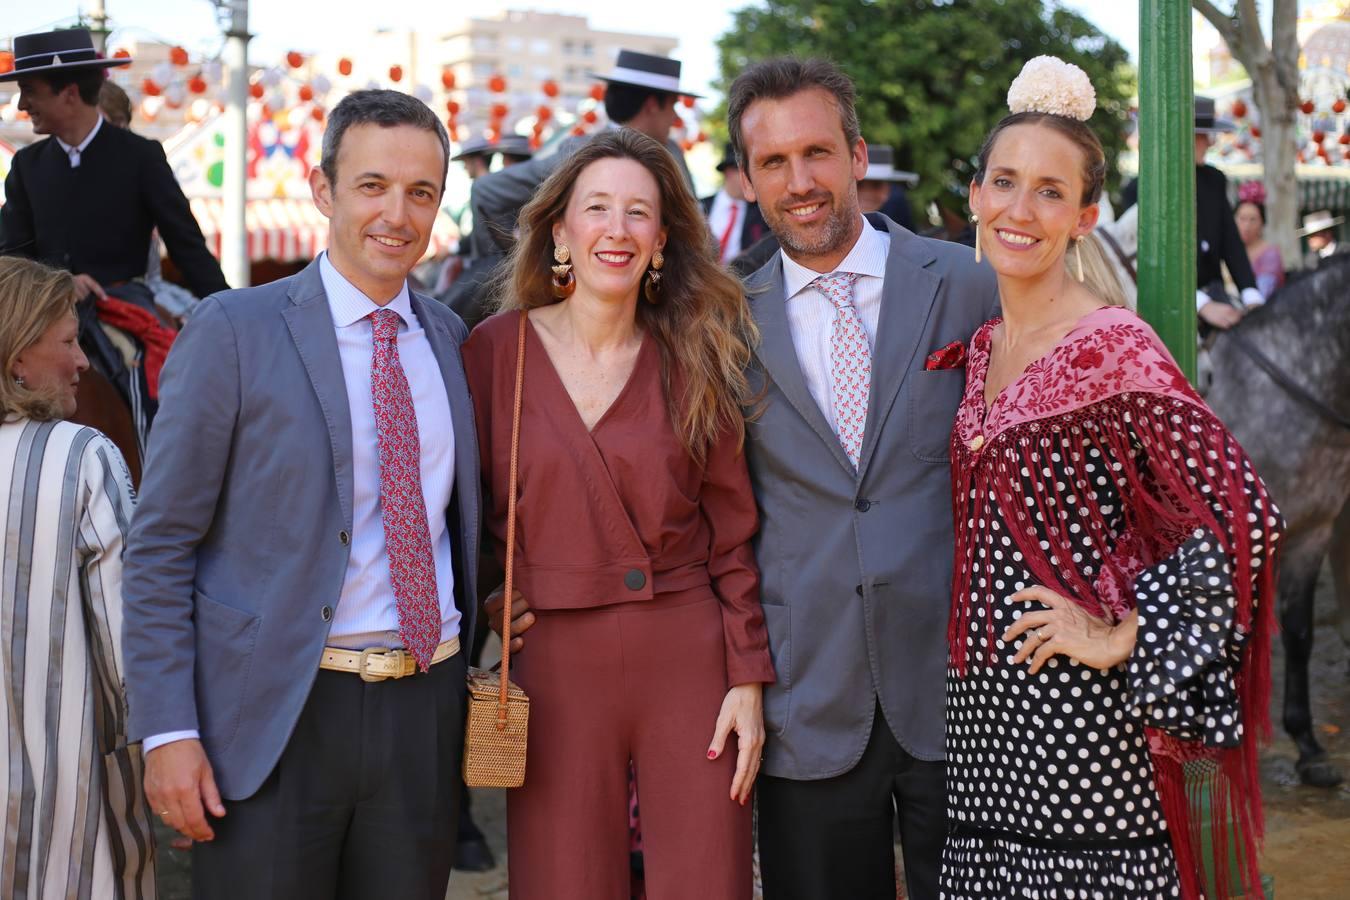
75, 821
811, 315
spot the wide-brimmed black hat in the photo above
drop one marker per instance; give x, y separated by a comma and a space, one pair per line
645, 70
516, 145
1205, 120
57, 51
728, 159
477, 146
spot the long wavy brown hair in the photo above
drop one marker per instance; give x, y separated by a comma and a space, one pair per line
701, 323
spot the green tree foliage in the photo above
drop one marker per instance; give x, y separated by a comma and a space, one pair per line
933, 75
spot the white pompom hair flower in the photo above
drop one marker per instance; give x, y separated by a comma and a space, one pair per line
1050, 85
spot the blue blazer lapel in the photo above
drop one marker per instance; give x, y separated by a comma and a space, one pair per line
467, 475
311, 325
778, 355
908, 292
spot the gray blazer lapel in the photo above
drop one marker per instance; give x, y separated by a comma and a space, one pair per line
908, 293
779, 356
311, 324
446, 349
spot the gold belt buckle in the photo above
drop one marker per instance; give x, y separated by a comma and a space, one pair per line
363, 665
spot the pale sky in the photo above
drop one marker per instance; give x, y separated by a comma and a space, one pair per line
340, 25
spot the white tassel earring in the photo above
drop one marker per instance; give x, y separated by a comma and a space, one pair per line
1078, 257
975, 220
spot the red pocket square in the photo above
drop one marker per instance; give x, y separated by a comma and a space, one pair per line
952, 356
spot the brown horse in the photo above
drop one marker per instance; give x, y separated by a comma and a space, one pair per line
99, 404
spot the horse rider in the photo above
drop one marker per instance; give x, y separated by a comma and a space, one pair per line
1218, 242
1320, 230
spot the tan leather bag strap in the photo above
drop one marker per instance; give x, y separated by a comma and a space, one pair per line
513, 478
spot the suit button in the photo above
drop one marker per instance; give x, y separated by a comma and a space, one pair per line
859, 590
635, 580
862, 504
326, 613
344, 537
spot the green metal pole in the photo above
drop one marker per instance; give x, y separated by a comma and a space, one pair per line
1166, 262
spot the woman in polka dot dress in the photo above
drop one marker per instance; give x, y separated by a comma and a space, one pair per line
1114, 577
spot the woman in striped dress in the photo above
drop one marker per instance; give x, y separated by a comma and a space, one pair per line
73, 822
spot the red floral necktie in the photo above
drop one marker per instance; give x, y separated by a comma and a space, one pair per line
412, 568
850, 361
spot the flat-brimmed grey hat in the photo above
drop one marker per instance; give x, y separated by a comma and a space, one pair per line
476, 146
57, 51
645, 70
881, 166
1319, 221
516, 145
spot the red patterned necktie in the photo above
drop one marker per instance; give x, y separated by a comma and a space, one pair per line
412, 568
850, 361
726, 233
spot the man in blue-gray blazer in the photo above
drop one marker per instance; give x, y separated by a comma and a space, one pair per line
303, 559
849, 460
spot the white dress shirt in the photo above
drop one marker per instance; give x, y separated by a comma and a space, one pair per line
720, 215
366, 614
74, 151
811, 315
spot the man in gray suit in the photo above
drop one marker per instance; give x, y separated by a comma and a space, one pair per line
303, 559
849, 460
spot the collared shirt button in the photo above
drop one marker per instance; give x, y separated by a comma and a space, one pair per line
634, 580
344, 538
326, 613
862, 504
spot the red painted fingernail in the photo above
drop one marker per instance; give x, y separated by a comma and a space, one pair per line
712, 754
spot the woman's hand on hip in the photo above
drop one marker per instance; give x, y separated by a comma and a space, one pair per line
1065, 628
743, 713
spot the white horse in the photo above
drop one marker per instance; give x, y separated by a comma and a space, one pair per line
1118, 243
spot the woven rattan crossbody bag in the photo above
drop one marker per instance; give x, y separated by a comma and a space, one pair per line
499, 711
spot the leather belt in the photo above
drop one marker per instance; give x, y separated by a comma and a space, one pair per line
378, 663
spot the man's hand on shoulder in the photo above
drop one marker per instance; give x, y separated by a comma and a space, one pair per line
181, 788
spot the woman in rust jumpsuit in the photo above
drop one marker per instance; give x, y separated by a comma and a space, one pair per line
635, 519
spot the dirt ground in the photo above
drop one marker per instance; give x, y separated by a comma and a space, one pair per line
1307, 829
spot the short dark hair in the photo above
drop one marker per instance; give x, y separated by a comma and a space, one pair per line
786, 76
386, 109
88, 81
1077, 131
624, 101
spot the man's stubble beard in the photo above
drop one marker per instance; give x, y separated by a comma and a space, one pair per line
834, 233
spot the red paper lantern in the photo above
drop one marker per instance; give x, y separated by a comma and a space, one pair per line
123, 53
1239, 108
1319, 136
499, 110
493, 135
447, 79
578, 131
543, 114
536, 142
497, 84
1338, 106
590, 117
6, 62
688, 102
452, 107
538, 128
597, 92
196, 84
686, 146
266, 111
550, 88
295, 59
344, 66
306, 93
149, 88
316, 113
178, 56
700, 137
1345, 137
1307, 107
255, 90
679, 122
395, 74
1256, 131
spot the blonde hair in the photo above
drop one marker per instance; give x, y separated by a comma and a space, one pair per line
701, 321
33, 298
1099, 276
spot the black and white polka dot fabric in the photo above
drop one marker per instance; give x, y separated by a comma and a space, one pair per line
1049, 779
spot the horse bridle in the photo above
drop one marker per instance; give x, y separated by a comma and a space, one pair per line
1284, 380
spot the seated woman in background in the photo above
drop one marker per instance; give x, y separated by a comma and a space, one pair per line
76, 823
1266, 260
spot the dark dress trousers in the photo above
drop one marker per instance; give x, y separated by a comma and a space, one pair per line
96, 218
